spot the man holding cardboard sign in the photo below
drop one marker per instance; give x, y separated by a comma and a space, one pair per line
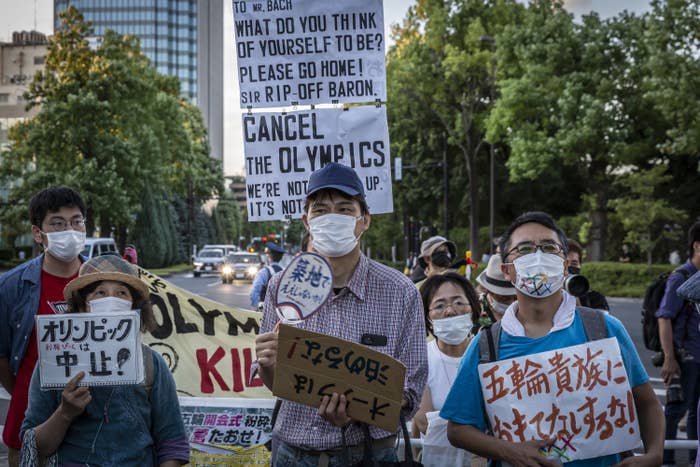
562, 379
371, 304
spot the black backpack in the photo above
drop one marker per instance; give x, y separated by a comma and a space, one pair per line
652, 300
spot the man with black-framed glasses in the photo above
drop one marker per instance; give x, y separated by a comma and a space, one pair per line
543, 319
36, 287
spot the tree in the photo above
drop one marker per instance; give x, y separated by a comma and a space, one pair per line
439, 95
646, 216
227, 220
570, 93
111, 127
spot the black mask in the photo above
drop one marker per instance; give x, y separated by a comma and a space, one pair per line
574, 270
441, 259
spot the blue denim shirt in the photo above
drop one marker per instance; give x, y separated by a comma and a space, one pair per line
128, 425
685, 325
20, 290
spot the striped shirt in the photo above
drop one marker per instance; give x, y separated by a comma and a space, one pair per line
377, 300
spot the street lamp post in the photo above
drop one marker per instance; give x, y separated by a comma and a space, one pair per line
492, 166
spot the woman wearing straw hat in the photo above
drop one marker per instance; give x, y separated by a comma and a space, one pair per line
132, 425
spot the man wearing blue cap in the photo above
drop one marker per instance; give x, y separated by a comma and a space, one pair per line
372, 304
274, 254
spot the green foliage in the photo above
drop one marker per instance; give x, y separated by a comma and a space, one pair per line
150, 234
647, 217
622, 279
227, 220
109, 126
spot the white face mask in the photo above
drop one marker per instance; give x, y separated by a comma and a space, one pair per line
65, 246
453, 330
333, 234
109, 304
497, 306
538, 274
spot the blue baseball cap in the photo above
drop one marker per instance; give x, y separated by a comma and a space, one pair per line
690, 289
274, 247
337, 176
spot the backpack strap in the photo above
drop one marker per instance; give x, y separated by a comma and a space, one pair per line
593, 323
148, 369
489, 343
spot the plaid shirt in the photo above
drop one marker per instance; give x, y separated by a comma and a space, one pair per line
378, 300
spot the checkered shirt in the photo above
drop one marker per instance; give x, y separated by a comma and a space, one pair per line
378, 300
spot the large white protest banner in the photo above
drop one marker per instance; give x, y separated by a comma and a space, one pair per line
309, 52
282, 149
578, 394
106, 346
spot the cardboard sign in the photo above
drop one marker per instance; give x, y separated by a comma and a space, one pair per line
309, 52
227, 431
305, 286
578, 394
208, 346
106, 346
283, 149
312, 365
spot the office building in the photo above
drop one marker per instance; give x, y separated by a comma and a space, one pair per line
167, 29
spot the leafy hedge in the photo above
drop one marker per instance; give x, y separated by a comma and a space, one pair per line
622, 279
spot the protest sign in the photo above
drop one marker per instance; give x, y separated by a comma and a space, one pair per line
106, 346
227, 431
578, 394
282, 149
309, 52
312, 365
305, 286
208, 346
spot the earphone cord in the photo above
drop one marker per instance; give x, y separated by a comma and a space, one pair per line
105, 418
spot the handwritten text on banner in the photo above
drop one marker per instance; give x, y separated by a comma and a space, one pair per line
579, 394
282, 149
309, 52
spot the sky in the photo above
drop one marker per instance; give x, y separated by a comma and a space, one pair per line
16, 15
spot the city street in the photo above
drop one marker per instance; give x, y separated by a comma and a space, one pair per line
236, 294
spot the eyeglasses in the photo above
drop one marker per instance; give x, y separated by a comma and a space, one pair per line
458, 304
59, 225
530, 247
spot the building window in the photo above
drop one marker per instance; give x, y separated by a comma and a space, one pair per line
39, 60
4, 98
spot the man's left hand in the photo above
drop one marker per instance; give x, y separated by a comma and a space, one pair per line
333, 409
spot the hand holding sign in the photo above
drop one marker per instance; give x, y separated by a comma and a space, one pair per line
305, 286
74, 398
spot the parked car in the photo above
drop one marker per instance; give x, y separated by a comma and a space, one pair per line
208, 260
96, 246
241, 265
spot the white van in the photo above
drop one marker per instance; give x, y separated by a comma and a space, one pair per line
99, 246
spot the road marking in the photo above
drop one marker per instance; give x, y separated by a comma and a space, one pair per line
215, 283
4, 394
656, 380
660, 392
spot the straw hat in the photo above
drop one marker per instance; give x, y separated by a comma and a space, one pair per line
106, 268
493, 280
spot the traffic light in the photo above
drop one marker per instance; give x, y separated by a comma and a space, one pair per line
272, 236
264, 239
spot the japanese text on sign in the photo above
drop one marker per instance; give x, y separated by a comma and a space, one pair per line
311, 365
233, 431
304, 287
105, 346
309, 52
579, 394
282, 149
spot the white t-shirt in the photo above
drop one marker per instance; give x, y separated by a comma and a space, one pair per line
442, 370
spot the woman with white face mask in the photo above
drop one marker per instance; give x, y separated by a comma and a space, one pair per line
450, 303
130, 425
